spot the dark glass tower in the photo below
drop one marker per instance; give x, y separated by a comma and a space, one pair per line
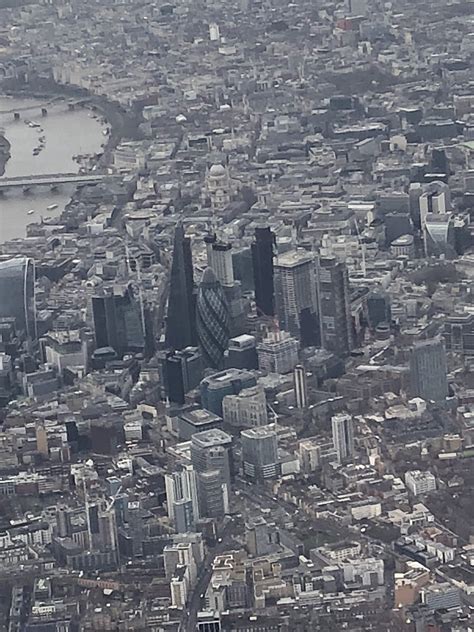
180, 322
17, 294
212, 316
118, 322
262, 260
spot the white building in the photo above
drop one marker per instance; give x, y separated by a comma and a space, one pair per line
278, 353
420, 482
248, 408
182, 486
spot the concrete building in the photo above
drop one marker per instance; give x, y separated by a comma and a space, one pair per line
420, 482
278, 352
428, 370
343, 436
248, 408
260, 453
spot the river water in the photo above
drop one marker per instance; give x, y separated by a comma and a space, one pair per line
66, 134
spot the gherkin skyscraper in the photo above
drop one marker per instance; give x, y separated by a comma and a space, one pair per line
213, 321
181, 320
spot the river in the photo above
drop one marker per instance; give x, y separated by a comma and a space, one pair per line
66, 134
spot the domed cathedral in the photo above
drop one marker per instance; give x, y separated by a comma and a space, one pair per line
220, 188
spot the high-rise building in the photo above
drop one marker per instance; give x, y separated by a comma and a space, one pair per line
278, 352
459, 333
181, 321
263, 251
301, 387
213, 322
219, 258
248, 408
212, 458
214, 388
182, 499
260, 453
17, 294
117, 321
378, 308
343, 436
181, 371
439, 235
334, 307
428, 370
212, 450
296, 296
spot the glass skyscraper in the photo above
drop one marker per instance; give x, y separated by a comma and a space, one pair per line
180, 321
17, 294
213, 321
263, 251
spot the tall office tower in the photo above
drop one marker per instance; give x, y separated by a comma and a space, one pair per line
278, 352
212, 317
181, 371
263, 251
181, 320
428, 370
248, 408
439, 235
242, 353
182, 499
378, 308
296, 296
300, 386
212, 450
213, 495
436, 198
260, 453
343, 436
17, 294
334, 307
219, 258
118, 321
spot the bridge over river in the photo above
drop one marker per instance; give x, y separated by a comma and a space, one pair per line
52, 179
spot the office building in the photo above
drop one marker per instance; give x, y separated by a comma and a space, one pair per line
419, 482
181, 320
208, 621
181, 371
378, 308
435, 199
263, 252
334, 307
260, 453
118, 321
17, 294
219, 258
214, 388
213, 495
459, 334
182, 499
212, 450
300, 386
296, 296
213, 320
278, 352
439, 236
248, 408
343, 436
428, 370
242, 353
196, 420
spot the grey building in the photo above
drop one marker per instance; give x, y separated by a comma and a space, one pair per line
428, 370
260, 453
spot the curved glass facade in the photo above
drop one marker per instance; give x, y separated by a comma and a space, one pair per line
212, 314
17, 294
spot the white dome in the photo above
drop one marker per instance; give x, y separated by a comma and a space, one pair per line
217, 170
